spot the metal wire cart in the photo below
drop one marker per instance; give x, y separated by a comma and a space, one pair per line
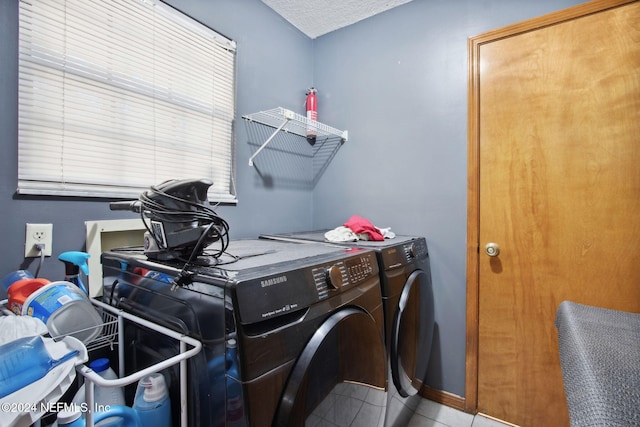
111, 337
114, 327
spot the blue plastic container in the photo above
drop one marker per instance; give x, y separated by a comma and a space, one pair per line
152, 401
234, 405
73, 418
66, 310
13, 277
25, 361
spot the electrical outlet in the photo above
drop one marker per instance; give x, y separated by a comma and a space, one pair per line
36, 234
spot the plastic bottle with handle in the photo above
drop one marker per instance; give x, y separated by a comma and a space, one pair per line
125, 416
152, 401
104, 397
74, 261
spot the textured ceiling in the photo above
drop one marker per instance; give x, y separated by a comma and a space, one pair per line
318, 17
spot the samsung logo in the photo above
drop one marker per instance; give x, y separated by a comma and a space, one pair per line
273, 281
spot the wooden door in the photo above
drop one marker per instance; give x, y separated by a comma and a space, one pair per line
554, 180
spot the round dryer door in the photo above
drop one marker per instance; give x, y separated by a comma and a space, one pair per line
411, 334
340, 375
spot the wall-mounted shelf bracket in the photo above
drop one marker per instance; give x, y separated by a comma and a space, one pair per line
286, 115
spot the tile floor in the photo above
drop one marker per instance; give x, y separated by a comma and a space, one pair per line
432, 414
355, 405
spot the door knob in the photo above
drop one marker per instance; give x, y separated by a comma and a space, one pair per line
492, 249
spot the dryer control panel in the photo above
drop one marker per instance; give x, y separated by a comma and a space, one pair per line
343, 273
415, 249
361, 268
289, 287
404, 254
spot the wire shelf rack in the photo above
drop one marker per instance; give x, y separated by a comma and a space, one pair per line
279, 136
109, 334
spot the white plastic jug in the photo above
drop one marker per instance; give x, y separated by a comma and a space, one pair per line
104, 397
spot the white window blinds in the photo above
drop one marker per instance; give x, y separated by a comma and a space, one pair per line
118, 95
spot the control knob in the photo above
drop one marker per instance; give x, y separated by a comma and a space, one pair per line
411, 251
334, 277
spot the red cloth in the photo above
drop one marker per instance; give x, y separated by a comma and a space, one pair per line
360, 225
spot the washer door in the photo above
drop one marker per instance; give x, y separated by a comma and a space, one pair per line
411, 334
340, 375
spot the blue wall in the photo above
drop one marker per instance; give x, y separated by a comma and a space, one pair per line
274, 67
396, 81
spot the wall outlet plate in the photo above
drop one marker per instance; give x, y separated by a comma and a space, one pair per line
38, 233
